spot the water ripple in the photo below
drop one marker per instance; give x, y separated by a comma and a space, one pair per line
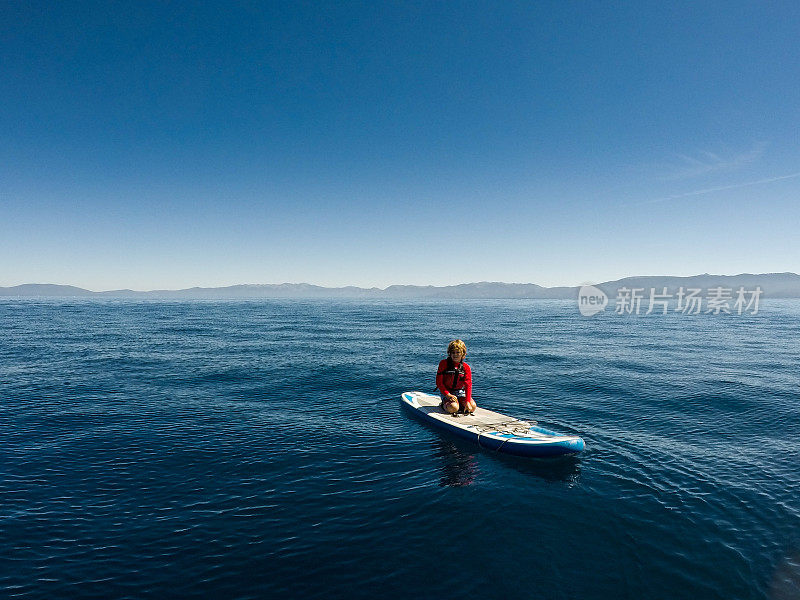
248, 449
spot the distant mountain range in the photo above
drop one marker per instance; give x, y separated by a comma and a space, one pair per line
773, 285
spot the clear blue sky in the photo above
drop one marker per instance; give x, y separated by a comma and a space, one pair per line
166, 145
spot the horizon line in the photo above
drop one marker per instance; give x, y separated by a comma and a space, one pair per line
383, 289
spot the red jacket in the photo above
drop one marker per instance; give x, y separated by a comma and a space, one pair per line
448, 382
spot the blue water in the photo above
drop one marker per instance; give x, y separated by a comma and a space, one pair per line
248, 449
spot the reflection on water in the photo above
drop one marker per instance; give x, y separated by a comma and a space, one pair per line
566, 469
459, 468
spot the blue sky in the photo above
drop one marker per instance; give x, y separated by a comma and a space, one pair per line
158, 145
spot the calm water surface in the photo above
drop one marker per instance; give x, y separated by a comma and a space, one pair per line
247, 449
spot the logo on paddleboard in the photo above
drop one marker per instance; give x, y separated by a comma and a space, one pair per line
591, 300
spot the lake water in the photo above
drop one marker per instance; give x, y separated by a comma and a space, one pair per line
249, 449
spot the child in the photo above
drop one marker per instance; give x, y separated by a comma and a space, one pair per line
454, 380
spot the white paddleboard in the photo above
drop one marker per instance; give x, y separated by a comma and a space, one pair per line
493, 430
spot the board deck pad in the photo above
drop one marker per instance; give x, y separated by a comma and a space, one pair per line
482, 420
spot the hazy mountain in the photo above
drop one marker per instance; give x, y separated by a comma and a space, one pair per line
774, 285
45, 289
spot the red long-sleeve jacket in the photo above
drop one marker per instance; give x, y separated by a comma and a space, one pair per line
448, 381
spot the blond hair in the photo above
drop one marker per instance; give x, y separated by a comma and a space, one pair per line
457, 345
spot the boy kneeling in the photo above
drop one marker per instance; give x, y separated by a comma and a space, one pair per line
454, 380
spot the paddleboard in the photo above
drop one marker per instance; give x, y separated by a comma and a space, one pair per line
493, 430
